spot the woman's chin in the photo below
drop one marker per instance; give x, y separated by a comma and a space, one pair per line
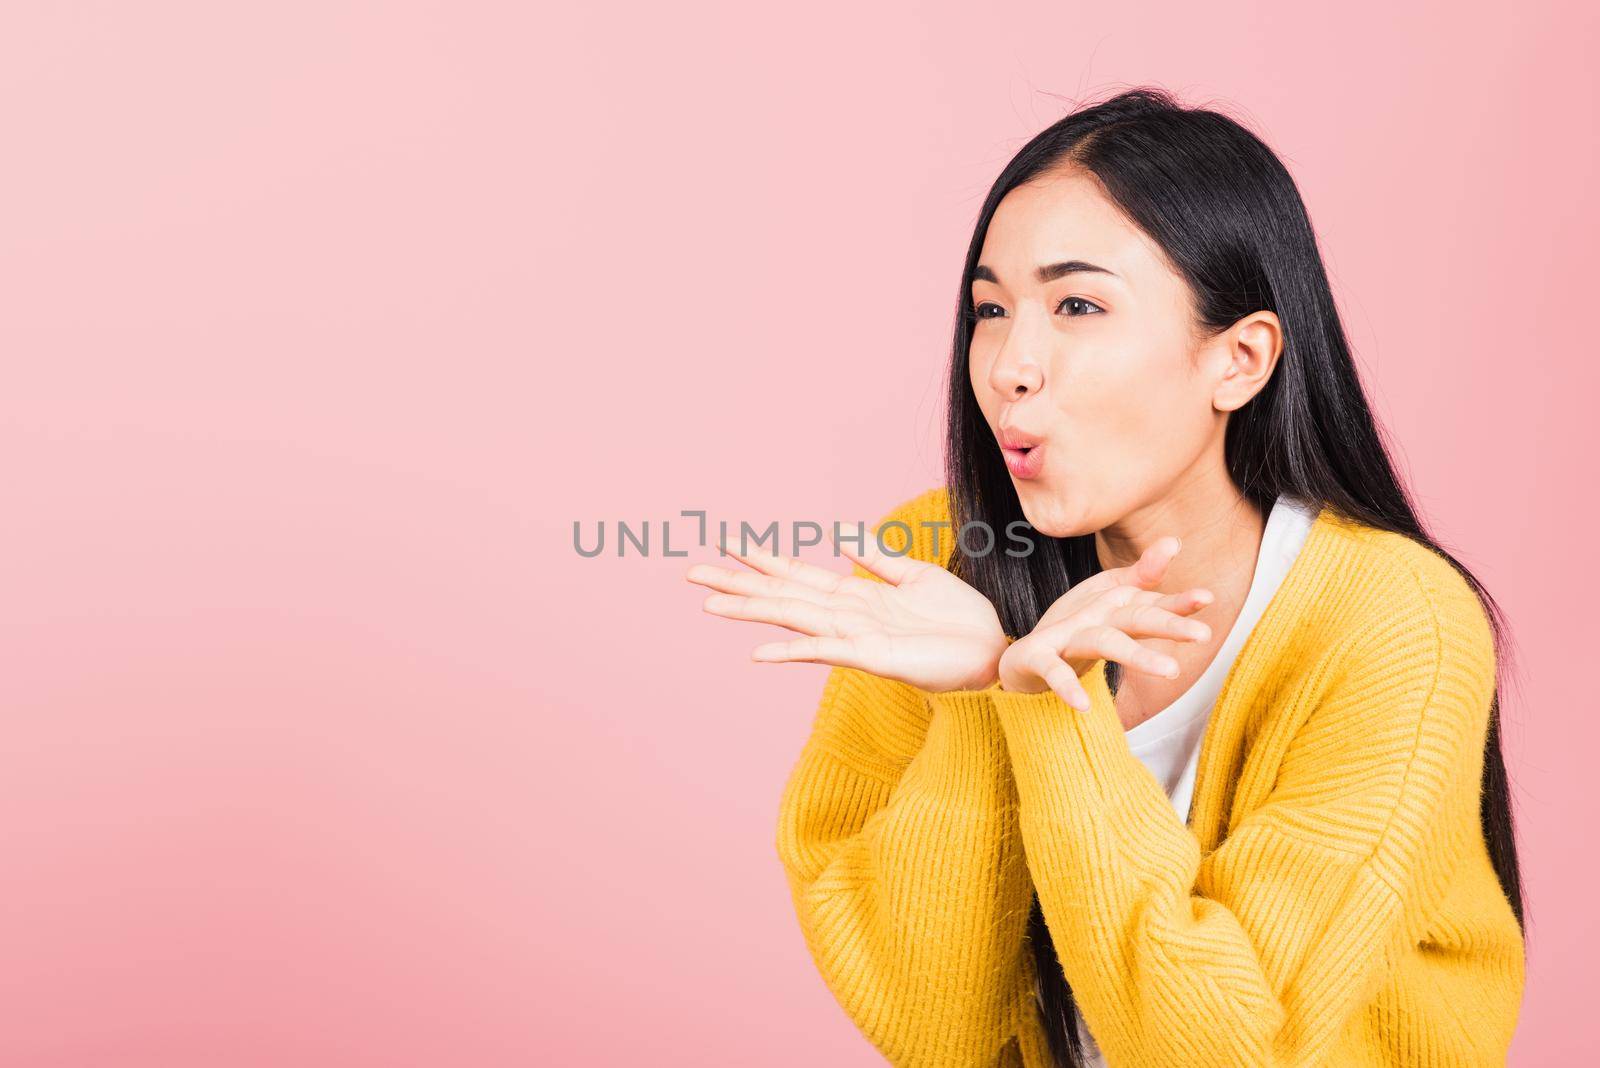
1045, 513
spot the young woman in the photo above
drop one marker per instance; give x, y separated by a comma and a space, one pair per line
1200, 764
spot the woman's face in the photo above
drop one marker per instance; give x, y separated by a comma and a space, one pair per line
1085, 343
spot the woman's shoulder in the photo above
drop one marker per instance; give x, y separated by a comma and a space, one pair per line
1399, 598
1409, 571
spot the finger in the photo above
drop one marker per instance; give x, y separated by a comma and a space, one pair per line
1187, 602
788, 567
1148, 570
1107, 603
892, 569
1063, 679
814, 650
803, 616
1152, 563
1044, 659
1072, 640
1152, 621
1107, 642
1101, 581
1114, 597
744, 582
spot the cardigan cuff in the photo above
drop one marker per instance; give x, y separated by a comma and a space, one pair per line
1082, 759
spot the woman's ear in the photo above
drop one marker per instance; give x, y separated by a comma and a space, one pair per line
1249, 351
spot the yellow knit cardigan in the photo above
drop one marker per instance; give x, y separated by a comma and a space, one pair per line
1330, 902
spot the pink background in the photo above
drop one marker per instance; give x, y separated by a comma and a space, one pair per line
323, 323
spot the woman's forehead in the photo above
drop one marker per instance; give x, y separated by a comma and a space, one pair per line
1059, 218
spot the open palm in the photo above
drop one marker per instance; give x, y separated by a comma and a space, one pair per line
921, 625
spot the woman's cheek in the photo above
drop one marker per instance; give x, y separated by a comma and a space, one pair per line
1089, 388
978, 365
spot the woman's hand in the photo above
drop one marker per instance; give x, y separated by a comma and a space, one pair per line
922, 625
1101, 617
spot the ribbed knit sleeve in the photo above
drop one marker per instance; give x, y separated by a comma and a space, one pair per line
1262, 951
898, 833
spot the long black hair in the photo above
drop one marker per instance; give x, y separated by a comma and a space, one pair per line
1229, 218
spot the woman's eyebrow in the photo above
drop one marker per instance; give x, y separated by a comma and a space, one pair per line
1048, 273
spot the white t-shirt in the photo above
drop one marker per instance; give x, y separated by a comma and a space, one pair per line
1168, 743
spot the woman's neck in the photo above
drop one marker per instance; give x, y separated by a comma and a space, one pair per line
1220, 528
1221, 538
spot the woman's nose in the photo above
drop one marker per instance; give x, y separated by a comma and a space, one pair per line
1015, 375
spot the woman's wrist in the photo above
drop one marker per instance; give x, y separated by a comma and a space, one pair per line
985, 676
982, 680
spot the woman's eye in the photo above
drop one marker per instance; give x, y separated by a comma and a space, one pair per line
1082, 303
988, 309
